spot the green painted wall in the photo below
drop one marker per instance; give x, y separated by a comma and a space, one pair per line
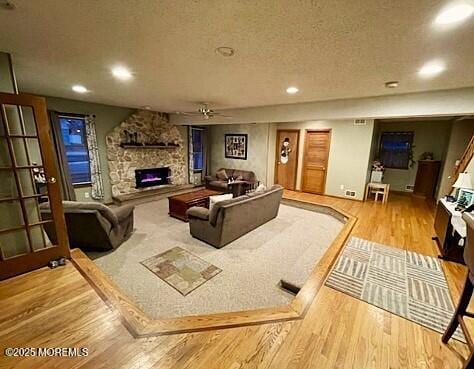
257, 152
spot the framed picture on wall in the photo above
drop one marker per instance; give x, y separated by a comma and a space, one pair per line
236, 146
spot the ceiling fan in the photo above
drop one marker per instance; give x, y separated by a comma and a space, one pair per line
204, 112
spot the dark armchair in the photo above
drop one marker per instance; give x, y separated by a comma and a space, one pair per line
92, 225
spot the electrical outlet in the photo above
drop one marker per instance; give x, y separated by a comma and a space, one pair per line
342, 187
86, 195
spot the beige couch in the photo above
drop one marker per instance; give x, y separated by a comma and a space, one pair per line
231, 219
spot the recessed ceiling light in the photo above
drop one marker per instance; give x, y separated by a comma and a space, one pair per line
225, 51
121, 73
454, 14
79, 89
147, 107
292, 90
391, 84
431, 69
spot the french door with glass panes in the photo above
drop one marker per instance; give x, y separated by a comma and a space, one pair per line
27, 184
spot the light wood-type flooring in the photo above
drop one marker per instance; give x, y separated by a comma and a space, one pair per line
59, 308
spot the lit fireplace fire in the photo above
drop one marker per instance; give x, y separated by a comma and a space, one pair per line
152, 177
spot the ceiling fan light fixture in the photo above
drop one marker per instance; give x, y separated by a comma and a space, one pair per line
225, 51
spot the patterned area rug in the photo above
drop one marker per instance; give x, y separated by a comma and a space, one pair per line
181, 270
404, 283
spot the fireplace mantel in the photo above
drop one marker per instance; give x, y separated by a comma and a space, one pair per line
157, 147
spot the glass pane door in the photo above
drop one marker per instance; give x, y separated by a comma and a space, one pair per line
32, 229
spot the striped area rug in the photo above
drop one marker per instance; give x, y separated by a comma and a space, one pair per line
404, 283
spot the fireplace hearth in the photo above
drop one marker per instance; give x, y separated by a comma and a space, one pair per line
152, 177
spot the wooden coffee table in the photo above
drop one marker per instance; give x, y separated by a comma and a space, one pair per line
180, 203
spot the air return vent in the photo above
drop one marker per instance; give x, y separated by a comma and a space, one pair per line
409, 187
350, 193
360, 122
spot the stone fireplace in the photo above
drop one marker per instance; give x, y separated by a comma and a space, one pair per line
159, 144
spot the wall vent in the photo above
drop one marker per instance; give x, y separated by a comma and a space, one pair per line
409, 187
350, 193
360, 122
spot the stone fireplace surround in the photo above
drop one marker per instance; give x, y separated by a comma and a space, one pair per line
150, 127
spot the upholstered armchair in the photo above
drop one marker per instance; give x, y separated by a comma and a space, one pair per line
92, 225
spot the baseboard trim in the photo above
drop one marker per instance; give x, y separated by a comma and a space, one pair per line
141, 325
344, 197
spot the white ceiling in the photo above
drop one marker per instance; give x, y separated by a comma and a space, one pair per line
329, 49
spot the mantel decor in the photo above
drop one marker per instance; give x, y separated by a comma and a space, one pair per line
236, 146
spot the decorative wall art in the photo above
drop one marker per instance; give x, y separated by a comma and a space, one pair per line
285, 151
236, 146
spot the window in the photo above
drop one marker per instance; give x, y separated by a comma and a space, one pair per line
395, 149
73, 130
198, 149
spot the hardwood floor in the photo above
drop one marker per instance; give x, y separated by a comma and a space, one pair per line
59, 308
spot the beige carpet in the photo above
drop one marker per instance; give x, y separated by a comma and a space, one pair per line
252, 266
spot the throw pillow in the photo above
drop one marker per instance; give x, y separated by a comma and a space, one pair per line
217, 198
222, 175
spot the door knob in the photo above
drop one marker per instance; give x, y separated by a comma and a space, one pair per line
52, 180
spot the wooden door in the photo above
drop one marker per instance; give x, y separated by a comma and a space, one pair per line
27, 178
315, 161
286, 159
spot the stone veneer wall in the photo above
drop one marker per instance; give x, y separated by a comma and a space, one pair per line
151, 127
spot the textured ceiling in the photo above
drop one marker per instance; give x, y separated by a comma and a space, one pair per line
329, 49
